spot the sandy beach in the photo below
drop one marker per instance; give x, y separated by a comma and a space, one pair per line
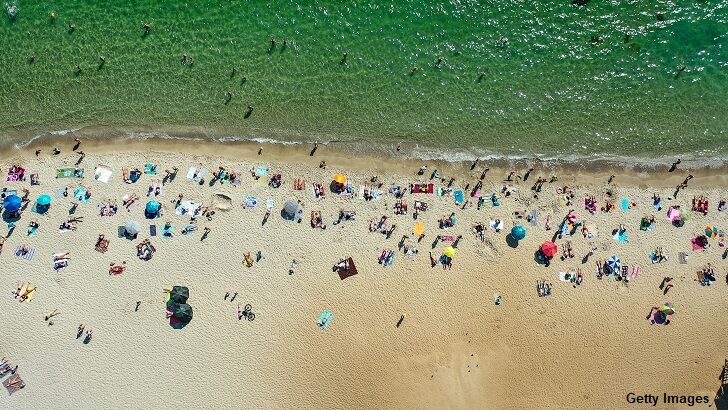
584, 346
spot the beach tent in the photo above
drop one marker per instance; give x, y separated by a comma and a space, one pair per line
183, 312
518, 232
179, 294
132, 228
290, 210
44, 200
12, 203
549, 249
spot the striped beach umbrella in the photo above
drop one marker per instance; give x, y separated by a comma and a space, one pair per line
711, 231
614, 263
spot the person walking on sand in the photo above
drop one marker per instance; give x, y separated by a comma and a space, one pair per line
313, 150
674, 165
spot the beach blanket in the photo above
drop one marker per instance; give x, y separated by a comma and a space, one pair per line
80, 195
69, 173
150, 169
200, 174
28, 255
422, 188
325, 319
186, 208
261, 171
250, 202
459, 196
102, 174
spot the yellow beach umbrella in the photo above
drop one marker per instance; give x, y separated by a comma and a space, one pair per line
449, 252
419, 228
340, 179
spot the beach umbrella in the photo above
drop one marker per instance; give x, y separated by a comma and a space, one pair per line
518, 232
549, 249
12, 203
667, 309
340, 179
449, 252
44, 200
685, 215
659, 318
132, 227
179, 294
614, 263
183, 312
290, 209
152, 207
711, 231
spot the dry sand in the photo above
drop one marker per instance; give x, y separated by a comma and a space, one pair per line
584, 347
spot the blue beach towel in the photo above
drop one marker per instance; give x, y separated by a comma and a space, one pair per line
80, 195
621, 237
459, 196
32, 231
624, 204
189, 230
325, 319
167, 232
150, 169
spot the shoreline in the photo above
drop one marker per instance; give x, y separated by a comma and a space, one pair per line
196, 140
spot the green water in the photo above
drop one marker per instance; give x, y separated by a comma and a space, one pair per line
569, 81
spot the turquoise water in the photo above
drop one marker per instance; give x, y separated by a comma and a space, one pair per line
592, 80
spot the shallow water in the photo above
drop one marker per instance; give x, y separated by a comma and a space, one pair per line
594, 80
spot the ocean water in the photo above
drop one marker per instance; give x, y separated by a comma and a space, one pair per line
517, 78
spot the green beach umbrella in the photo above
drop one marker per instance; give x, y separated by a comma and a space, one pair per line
44, 200
179, 294
183, 312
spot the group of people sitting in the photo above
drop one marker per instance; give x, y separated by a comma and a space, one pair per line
145, 250
317, 221
700, 204
590, 204
400, 207
131, 176
448, 222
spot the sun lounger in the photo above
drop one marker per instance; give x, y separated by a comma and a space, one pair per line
27, 256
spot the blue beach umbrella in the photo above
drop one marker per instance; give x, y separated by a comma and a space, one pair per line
152, 207
44, 200
12, 203
518, 232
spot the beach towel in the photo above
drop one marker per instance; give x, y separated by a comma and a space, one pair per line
17, 175
422, 188
683, 257
497, 226
200, 174
186, 208
32, 231
325, 319
191, 173
657, 205
261, 171
188, 230
269, 203
167, 232
459, 196
419, 228
621, 237
447, 238
494, 199
567, 276
250, 202
28, 255
69, 173
635, 271
624, 204
60, 264
102, 174
80, 195
150, 169
152, 230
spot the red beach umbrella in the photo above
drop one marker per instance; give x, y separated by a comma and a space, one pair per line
549, 249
